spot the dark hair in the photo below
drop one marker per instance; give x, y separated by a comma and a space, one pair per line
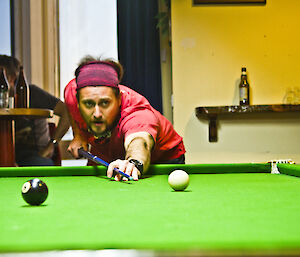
11, 66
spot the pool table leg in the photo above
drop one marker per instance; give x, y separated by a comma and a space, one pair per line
7, 145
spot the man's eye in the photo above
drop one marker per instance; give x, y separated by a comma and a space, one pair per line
105, 103
89, 104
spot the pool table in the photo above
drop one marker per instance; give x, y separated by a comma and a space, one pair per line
227, 209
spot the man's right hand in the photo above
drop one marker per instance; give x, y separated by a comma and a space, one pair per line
75, 145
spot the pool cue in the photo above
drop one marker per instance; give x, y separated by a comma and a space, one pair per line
97, 160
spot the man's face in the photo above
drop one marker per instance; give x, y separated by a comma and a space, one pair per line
99, 108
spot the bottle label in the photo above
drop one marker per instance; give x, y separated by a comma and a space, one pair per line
11, 102
243, 94
3, 99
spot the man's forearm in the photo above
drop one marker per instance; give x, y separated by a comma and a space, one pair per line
139, 148
64, 121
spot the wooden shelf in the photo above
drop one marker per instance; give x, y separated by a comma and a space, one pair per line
212, 113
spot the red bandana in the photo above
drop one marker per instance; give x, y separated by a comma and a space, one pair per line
97, 74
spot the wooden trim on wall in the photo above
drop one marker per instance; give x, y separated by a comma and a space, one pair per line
21, 33
50, 41
36, 42
44, 37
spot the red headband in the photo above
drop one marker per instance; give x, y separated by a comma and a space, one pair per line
97, 74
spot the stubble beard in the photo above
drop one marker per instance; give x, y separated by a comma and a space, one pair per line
105, 134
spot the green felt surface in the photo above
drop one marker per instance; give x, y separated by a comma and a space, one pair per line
217, 211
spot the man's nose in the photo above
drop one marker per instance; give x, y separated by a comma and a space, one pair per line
97, 112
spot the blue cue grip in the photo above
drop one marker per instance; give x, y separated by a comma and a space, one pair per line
97, 160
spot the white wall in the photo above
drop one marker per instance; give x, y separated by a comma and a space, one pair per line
86, 27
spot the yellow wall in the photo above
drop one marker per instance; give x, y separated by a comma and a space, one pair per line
210, 44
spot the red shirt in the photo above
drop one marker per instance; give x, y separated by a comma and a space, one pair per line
136, 115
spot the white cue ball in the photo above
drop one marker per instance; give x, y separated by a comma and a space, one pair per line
178, 180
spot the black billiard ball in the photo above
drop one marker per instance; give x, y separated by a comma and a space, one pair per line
34, 191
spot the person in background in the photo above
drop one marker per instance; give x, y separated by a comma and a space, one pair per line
118, 123
33, 145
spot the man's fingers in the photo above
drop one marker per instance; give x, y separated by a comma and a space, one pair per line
131, 170
115, 164
135, 174
74, 153
110, 171
118, 177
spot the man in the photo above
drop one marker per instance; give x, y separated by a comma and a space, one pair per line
33, 144
118, 123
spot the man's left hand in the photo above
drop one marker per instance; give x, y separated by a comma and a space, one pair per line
124, 166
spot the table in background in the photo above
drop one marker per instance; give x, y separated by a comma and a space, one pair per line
7, 131
228, 209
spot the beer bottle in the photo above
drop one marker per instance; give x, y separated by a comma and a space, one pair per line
244, 88
21, 91
3, 89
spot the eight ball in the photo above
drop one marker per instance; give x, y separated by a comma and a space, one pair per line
34, 192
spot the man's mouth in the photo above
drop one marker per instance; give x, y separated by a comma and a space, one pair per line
99, 129
98, 123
